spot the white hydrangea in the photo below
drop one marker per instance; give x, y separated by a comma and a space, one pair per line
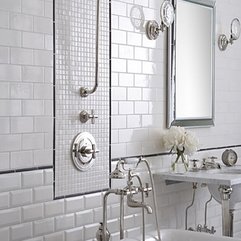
178, 139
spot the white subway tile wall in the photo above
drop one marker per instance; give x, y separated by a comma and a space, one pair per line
139, 82
27, 209
23, 217
26, 29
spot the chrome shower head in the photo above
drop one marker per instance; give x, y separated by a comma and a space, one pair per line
117, 173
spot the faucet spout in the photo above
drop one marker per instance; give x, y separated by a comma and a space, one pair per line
135, 204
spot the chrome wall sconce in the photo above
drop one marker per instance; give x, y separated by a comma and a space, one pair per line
167, 16
223, 41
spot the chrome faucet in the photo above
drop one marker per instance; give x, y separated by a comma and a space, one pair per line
210, 163
129, 191
205, 229
135, 204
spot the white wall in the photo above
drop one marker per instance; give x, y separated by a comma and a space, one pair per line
139, 82
26, 84
28, 211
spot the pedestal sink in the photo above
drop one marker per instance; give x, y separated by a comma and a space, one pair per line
234, 196
224, 184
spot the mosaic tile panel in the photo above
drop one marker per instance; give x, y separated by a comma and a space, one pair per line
75, 28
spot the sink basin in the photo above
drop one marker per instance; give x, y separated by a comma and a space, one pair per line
236, 192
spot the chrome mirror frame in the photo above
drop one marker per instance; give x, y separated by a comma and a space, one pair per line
171, 77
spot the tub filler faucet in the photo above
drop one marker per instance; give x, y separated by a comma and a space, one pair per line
129, 192
130, 197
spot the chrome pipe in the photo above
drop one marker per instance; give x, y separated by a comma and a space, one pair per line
122, 216
231, 212
193, 198
143, 219
115, 191
84, 92
143, 205
206, 210
153, 196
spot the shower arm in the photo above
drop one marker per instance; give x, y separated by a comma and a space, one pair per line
84, 91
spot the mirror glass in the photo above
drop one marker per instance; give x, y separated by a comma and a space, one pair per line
191, 45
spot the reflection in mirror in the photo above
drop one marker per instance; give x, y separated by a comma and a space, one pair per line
191, 42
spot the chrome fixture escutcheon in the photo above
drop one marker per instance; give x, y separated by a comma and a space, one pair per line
85, 116
152, 30
84, 151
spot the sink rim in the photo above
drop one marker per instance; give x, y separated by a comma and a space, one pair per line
234, 170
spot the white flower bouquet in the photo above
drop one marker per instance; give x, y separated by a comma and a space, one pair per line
180, 142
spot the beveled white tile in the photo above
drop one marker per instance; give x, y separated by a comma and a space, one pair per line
21, 22
32, 141
64, 222
43, 226
10, 38
21, 197
74, 234
10, 107
42, 25
42, 194
4, 55
21, 91
21, 124
54, 208
10, 143
118, 93
21, 56
33, 212
21, 160
32, 74
4, 124
33, 7
21, 231
32, 179
33, 40
126, 107
5, 234
10, 217
11, 5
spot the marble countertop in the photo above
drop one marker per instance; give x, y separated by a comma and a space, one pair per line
224, 176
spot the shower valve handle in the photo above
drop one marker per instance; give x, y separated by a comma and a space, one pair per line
94, 151
92, 116
147, 189
87, 151
85, 116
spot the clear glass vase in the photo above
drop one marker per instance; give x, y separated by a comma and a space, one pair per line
179, 163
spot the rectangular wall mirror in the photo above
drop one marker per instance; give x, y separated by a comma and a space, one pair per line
191, 57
